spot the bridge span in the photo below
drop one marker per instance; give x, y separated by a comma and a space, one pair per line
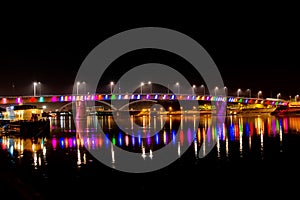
61, 101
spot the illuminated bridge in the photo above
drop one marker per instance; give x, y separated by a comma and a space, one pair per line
105, 98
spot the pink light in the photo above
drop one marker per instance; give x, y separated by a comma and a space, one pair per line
54, 99
54, 143
4, 101
70, 98
92, 97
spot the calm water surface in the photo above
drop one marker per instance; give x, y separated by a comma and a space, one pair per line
260, 148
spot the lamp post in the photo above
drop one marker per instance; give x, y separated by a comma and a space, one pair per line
296, 97
225, 90
202, 86
77, 86
278, 95
193, 89
150, 84
142, 84
40, 88
34, 88
178, 87
216, 88
238, 92
248, 90
111, 87
259, 93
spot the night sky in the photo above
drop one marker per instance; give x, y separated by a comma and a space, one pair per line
259, 53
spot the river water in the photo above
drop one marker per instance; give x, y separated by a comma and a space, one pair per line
241, 149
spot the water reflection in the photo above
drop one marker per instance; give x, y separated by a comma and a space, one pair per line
237, 138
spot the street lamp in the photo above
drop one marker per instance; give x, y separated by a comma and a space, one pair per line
296, 97
238, 92
225, 90
40, 88
202, 86
177, 84
34, 88
216, 88
111, 86
260, 92
278, 95
150, 84
248, 90
142, 84
77, 86
193, 89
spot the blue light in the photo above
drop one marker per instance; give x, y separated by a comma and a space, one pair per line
173, 97
11, 150
156, 96
106, 97
173, 136
41, 99
106, 139
247, 128
231, 131
133, 139
138, 96
62, 142
139, 139
120, 96
120, 139
157, 138
62, 98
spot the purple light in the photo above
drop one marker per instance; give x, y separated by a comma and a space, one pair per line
132, 96
19, 100
148, 96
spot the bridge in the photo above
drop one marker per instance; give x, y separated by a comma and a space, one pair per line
106, 98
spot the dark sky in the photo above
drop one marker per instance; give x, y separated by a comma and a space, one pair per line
261, 53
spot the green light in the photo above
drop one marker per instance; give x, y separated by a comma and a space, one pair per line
241, 101
277, 125
114, 141
113, 97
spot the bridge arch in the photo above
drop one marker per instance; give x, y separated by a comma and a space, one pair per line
103, 102
133, 102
